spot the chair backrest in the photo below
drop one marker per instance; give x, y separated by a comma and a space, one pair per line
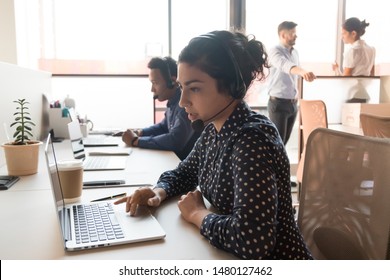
344, 209
313, 115
375, 126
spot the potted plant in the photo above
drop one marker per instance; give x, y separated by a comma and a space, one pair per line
22, 154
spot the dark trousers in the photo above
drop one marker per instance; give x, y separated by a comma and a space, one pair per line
283, 113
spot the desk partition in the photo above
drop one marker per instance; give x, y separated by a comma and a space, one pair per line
18, 83
110, 102
335, 91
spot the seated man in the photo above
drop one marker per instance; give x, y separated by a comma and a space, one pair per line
174, 132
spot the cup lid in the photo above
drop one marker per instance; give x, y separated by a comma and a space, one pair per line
69, 164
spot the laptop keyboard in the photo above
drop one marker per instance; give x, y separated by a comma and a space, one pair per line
96, 162
96, 222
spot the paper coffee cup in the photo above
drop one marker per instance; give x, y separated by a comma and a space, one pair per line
71, 178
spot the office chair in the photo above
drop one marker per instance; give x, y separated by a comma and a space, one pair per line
313, 115
344, 210
375, 126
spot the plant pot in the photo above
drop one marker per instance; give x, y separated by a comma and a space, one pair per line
22, 159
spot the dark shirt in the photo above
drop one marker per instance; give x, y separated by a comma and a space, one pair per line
173, 133
244, 172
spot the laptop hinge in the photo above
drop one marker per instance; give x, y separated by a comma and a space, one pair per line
66, 225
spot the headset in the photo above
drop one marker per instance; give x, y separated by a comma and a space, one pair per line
167, 74
238, 88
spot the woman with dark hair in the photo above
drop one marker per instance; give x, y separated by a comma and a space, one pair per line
359, 59
239, 163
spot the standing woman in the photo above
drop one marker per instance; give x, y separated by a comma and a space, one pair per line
359, 59
239, 163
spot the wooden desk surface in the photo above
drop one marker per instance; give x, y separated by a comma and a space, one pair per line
29, 228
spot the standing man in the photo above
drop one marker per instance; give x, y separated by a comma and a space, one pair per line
283, 80
174, 132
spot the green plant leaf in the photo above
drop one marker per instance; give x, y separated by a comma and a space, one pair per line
23, 122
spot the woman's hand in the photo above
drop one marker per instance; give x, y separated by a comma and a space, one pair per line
336, 69
192, 207
143, 196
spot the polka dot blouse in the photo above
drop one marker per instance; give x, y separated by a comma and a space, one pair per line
244, 172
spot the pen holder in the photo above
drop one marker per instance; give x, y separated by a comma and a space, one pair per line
84, 129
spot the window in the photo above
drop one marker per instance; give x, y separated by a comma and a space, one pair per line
192, 18
109, 36
102, 37
316, 31
375, 12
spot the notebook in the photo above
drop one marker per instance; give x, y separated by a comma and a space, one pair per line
114, 226
91, 163
93, 141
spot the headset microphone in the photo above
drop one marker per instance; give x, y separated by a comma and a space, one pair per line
198, 125
155, 97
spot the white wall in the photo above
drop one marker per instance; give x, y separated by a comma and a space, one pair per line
19, 83
7, 32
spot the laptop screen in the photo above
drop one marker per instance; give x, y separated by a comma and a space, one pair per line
56, 185
76, 140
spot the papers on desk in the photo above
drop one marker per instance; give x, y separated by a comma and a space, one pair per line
109, 151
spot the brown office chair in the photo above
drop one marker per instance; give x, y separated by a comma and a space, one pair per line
344, 210
375, 126
313, 115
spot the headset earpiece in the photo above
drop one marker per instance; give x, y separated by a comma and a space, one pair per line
238, 88
167, 75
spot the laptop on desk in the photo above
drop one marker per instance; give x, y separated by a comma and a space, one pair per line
104, 141
113, 226
90, 163
94, 141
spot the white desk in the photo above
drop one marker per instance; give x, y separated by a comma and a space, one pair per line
29, 228
346, 128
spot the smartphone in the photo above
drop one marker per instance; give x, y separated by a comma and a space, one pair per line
7, 181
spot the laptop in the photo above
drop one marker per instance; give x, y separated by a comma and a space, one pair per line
114, 225
92, 163
102, 141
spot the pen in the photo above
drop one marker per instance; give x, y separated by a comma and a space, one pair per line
104, 183
110, 197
